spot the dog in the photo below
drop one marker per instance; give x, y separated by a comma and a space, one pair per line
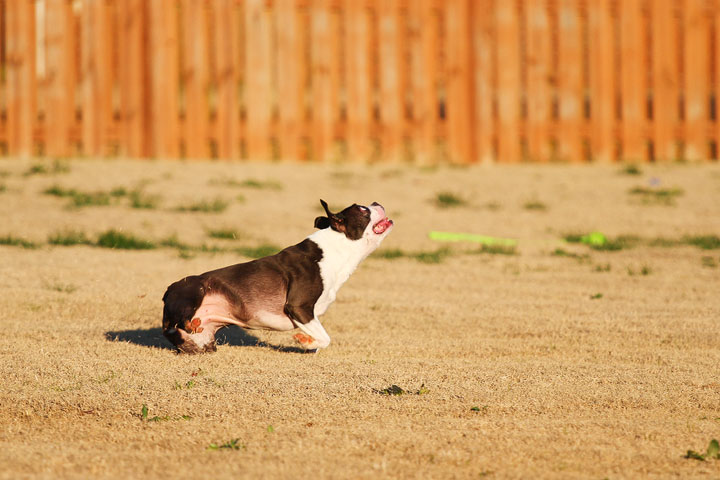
285, 291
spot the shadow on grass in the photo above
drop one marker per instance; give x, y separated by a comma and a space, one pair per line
153, 337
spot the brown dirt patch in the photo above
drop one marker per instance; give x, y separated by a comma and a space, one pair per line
587, 364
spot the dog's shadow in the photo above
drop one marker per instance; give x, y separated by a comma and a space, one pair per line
233, 336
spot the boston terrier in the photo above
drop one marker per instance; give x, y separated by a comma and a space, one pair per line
285, 291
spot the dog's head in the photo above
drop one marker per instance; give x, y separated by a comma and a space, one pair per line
357, 221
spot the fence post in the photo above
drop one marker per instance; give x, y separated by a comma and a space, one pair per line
697, 78
538, 80
508, 80
601, 48
21, 80
291, 52
665, 80
427, 106
195, 78
391, 91
133, 76
257, 80
632, 81
164, 79
60, 73
359, 99
324, 88
97, 81
570, 81
460, 82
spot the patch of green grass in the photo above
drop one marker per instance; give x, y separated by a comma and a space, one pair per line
173, 242
644, 271
656, 196
536, 205
80, 199
449, 200
56, 167
484, 409
603, 267
125, 241
259, 251
223, 234
261, 184
561, 252
709, 262
573, 237
712, 452
3, 188
141, 200
229, 445
631, 169
436, 256
663, 242
13, 241
67, 238
497, 249
596, 296
390, 254
706, 242
395, 390
217, 205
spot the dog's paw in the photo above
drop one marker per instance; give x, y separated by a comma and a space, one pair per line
305, 340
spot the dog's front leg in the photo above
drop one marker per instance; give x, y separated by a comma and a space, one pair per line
313, 336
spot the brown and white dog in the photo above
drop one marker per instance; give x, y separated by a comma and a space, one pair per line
288, 290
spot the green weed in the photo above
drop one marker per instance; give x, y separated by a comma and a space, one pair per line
13, 241
397, 391
656, 196
709, 262
259, 251
56, 167
436, 256
596, 296
573, 237
173, 242
125, 241
631, 169
644, 271
561, 252
69, 237
497, 249
705, 242
223, 234
484, 409
448, 200
620, 243
535, 205
390, 254
217, 205
80, 199
3, 188
604, 267
712, 452
230, 445
141, 200
261, 184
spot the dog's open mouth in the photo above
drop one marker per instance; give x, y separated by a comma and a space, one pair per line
382, 225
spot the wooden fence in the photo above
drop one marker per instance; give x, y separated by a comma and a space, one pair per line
424, 81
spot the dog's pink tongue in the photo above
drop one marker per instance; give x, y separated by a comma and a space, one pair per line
382, 225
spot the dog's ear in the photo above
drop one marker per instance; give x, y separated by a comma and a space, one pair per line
333, 220
322, 222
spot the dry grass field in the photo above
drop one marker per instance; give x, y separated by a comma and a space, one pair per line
552, 360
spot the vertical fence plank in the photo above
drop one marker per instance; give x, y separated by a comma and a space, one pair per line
97, 78
391, 105
665, 80
508, 80
195, 75
460, 81
601, 45
632, 81
257, 80
21, 81
291, 52
132, 78
359, 100
483, 45
428, 102
60, 70
570, 81
697, 79
165, 77
322, 101
538, 80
